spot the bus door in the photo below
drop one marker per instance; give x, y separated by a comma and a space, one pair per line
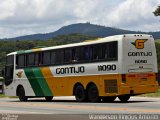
9, 69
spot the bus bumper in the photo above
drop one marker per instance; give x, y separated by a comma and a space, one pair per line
135, 90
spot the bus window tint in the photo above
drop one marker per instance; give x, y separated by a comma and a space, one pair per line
36, 59
59, 55
20, 61
111, 50
67, 55
46, 58
106, 51
86, 52
97, 52
53, 57
79, 54
30, 60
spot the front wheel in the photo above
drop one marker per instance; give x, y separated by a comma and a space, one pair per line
21, 94
49, 98
93, 94
124, 98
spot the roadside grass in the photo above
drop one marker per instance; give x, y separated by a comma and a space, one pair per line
2, 95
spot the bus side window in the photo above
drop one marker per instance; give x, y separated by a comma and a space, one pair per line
59, 56
36, 56
68, 55
97, 52
112, 50
86, 53
91, 52
106, 51
79, 54
46, 58
53, 57
74, 59
30, 60
20, 61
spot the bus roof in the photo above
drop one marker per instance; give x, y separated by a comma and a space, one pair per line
87, 42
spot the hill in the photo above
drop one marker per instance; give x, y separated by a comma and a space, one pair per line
83, 28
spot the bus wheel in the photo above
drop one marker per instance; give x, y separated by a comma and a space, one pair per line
93, 94
80, 93
124, 98
21, 94
109, 99
49, 98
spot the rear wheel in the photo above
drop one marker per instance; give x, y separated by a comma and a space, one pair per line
80, 93
49, 98
21, 94
124, 98
109, 99
93, 93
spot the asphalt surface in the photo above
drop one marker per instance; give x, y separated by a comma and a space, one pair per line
67, 108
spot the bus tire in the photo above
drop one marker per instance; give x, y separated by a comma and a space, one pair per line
21, 94
93, 93
108, 99
49, 98
80, 93
124, 98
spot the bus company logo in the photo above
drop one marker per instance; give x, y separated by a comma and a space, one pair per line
19, 74
139, 43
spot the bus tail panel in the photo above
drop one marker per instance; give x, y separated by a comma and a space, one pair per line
138, 83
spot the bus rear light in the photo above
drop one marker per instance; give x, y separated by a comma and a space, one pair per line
123, 78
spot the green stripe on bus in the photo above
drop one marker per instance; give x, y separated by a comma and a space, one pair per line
24, 51
42, 82
38, 82
33, 81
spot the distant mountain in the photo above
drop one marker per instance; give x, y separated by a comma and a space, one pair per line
84, 28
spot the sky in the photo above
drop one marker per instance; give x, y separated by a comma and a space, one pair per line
24, 17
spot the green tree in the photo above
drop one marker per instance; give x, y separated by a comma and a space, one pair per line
157, 11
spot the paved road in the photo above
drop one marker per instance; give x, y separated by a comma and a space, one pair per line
68, 105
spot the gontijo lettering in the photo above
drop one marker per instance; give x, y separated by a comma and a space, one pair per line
139, 53
70, 70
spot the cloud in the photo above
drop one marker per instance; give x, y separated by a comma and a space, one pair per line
7, 8
135, 14
21, 17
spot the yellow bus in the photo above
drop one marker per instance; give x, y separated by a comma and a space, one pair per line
116, 66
